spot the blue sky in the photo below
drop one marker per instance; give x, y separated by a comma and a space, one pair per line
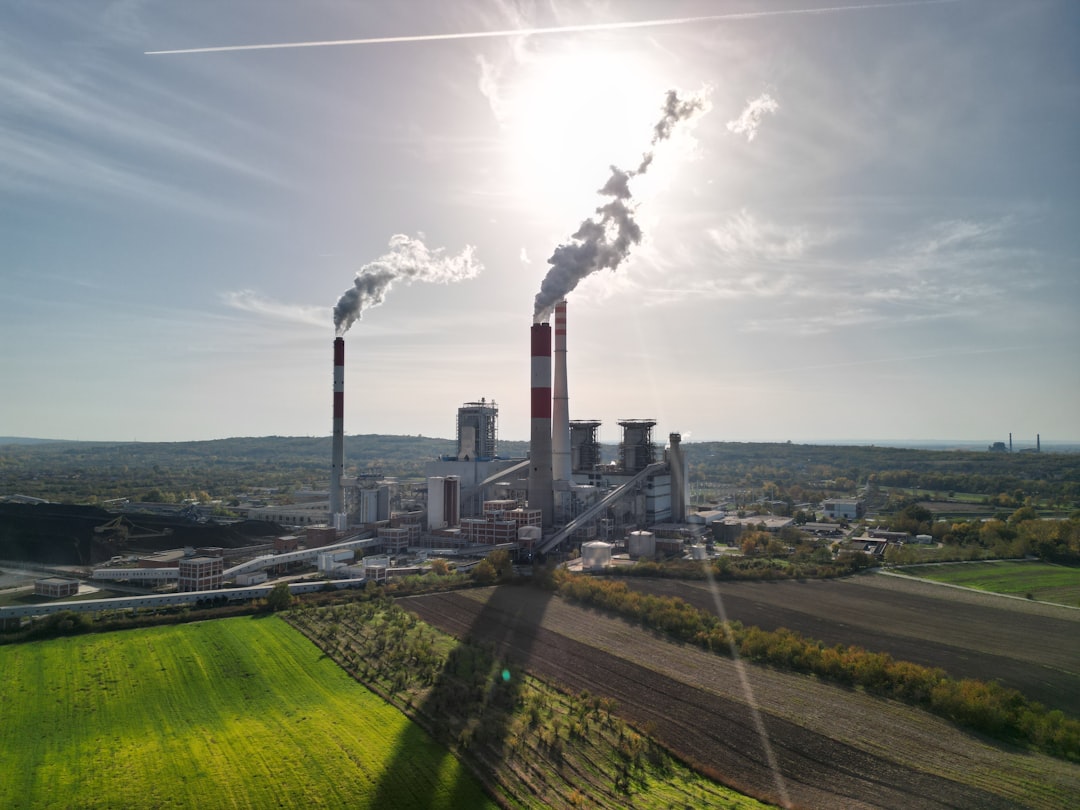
892, 255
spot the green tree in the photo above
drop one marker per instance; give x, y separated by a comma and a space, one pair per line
501, 563
279, 598
440, 567
484, 572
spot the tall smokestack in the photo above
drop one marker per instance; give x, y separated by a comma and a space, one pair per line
560, 413
678, 465
540, 484
337, 460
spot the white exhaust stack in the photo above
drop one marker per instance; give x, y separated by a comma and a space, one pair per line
540, 485
337, 461
560, 412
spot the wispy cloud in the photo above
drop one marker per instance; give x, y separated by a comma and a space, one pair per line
744, 236
960, 235
250, 301
810, 280
77, 121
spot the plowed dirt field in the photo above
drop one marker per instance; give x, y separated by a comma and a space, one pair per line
785, 738
1033, 647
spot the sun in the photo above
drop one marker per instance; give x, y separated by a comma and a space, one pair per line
573, 113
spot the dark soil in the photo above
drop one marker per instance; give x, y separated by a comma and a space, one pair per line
987, 637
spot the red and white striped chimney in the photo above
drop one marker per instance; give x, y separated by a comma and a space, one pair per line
337, 461
560, 414
540, 485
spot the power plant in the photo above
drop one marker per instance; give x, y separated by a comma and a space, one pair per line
561, 493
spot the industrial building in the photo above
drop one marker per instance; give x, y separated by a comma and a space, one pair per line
200, 574
56, 587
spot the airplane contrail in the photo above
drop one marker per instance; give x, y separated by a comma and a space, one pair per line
562, 29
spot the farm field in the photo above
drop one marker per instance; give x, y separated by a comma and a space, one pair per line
1030, 646
1044, 582
238, 713
831, 747
532, 745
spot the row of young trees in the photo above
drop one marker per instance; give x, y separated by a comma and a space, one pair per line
986, 707
520, 735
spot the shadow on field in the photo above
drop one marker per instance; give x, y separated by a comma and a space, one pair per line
471, 703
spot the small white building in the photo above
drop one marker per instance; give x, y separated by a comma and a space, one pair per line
706, 518
56, 587
837, 509
375, 568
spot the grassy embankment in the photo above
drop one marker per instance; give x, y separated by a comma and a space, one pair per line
534, 746
1044, 582
241, 713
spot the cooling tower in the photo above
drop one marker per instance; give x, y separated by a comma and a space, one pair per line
540, 483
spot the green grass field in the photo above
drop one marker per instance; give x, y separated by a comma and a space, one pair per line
234, 713
1043, 581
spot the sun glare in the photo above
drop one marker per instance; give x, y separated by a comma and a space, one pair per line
572, 115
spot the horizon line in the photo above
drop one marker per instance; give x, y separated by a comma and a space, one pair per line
1023, 443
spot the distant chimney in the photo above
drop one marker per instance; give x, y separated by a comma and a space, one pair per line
337, 451
540, 485
1038, 443
1010, 442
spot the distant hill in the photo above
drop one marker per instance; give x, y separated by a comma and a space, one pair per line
26, 440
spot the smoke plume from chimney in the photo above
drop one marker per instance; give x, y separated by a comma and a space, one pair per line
750, 119
605, 240
408, 260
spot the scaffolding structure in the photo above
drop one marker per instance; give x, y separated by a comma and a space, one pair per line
636, 450
584, 445
477, 430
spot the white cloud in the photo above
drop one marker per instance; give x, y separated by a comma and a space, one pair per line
250, 301
748, 122
745, 237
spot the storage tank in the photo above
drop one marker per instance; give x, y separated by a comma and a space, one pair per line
699, 553
641, 544
595, 555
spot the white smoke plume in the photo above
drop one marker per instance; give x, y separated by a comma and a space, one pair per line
408, 260
605, 240
750, 119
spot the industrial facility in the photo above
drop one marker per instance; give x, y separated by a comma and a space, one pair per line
563, 493
562, 496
